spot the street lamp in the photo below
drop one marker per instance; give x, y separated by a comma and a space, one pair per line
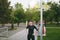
41, 18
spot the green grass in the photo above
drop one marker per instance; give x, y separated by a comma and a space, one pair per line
52, 25
52, 34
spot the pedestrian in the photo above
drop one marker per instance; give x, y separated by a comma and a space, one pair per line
43, 29
30, 29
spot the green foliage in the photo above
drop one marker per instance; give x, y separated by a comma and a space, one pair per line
32, 14
4, 11
19, 13
53, 13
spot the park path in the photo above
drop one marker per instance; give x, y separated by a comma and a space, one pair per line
21, 35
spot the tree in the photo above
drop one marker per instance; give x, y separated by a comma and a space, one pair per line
19, 13
32, 14
35, 14
56, 7
53, 13
4, 11
12, 18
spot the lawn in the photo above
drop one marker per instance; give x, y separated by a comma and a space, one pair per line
52, 34
52, 25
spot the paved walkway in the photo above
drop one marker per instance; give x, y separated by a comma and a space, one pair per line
21, 35
12, 32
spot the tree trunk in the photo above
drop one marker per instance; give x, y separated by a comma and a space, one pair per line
3, 25
57, 23
12, 26
18, 24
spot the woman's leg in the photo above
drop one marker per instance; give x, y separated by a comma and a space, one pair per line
33, 37
28, 37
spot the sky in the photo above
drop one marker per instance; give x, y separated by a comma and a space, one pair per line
25, 3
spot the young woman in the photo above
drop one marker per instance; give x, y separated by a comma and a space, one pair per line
30, 29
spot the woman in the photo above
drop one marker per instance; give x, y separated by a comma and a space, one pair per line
30, 29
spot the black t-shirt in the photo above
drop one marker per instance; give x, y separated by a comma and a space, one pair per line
31, 29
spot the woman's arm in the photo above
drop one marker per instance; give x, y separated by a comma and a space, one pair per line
36, 28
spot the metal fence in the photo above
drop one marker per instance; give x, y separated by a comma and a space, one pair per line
4, 33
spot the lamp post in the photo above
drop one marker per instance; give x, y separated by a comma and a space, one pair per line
41, 18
